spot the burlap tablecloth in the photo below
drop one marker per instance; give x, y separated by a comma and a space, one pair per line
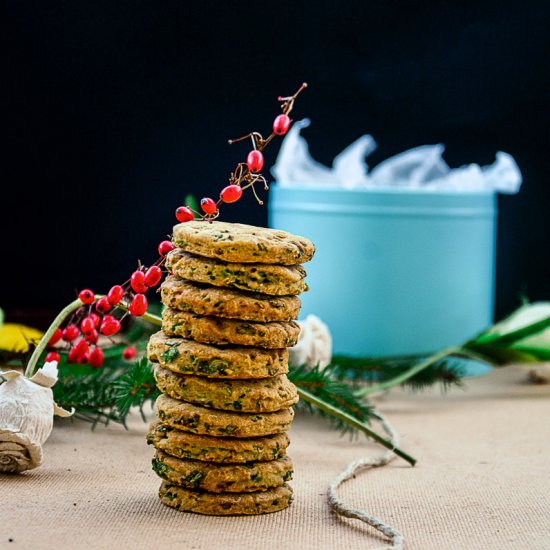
482, 481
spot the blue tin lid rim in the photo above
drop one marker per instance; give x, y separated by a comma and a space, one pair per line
384, 210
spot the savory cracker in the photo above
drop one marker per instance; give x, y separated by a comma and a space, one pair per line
216, 449
225, 302
263, 395
225, 504
200, 420
275, 280
236, 242
222, 478
216, 330
190, 357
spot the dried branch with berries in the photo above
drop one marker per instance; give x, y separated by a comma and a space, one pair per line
92, 316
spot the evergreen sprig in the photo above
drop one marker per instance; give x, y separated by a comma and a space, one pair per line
336, 392
91, 395
135, 388
108, 394
447, 371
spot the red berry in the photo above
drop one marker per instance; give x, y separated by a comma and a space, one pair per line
70, 332
72, 357
165, 247
96, 358
95, 318
153, 275
93, 337
139, 305
56, 336
208, 205
103, 305
137, 281
86, 296
231, 193
80, 348
87, 325
184, 214
53, 356
281, 124
129, 353
255, 161
84, 359
115, 295
109, 325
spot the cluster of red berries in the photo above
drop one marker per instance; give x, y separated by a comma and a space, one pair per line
96, 318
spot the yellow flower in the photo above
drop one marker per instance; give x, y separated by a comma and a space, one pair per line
17, 338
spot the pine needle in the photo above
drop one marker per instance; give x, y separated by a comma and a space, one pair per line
321, 383
446, 372
91, 395
135, 388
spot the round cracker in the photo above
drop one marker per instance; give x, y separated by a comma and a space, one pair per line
237, 242
263, 395
200, 420
190, 357
216, 330
235, 304
216, 449
222, 478
272, 279
225, 504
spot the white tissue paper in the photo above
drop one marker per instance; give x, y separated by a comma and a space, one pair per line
421, 168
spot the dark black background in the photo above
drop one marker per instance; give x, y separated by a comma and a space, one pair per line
114, 111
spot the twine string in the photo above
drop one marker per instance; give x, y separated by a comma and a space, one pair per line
366, 463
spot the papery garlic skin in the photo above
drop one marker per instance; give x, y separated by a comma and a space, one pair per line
314, 347
26, 417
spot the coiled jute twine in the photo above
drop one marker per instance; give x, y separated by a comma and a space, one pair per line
366, 463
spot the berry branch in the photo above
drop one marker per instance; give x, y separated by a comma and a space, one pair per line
248, 173
90, 317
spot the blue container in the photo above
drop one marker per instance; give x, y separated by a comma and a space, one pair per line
395, 271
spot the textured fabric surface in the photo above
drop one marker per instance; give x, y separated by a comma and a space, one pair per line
482, 481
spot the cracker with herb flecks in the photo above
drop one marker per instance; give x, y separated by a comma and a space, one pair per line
225, 504
222, 478
226, 302
216, 449
263, 395
237, 242
216, 330
201, 420
189, 357
272, 279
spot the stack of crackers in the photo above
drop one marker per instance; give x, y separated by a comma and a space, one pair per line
221, 360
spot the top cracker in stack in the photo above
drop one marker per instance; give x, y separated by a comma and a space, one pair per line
226, 402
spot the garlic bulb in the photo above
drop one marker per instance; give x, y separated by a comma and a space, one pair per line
314, 345
26, 417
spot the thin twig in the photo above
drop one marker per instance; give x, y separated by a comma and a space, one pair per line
345, 417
